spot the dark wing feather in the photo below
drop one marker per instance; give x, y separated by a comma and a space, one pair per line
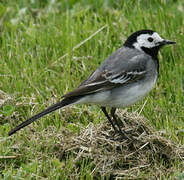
100, 83
108, 78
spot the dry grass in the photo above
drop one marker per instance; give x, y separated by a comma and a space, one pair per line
147, 151
4, 98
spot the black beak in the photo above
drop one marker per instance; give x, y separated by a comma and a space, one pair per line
166, 42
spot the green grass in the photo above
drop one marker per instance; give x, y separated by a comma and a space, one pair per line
32, 42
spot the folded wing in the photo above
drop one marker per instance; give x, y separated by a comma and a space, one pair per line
110, 77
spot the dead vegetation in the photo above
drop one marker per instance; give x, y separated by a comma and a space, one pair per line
146, 151
4, 98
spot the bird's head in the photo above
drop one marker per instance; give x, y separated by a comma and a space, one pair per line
146, 40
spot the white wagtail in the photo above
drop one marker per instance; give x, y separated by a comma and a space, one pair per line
122, 79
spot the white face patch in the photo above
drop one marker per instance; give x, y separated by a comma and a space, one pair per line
142, 41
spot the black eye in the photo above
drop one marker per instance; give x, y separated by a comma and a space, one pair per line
150, 39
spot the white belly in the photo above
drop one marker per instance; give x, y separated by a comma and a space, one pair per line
121, 96
126, 97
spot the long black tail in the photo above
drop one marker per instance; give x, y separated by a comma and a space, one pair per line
63, 103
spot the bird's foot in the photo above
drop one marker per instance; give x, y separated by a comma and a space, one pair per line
120, 135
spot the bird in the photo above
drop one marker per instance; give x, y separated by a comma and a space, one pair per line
125, 77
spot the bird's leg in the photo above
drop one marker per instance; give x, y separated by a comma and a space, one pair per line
117, 120
108, 117
113, 110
